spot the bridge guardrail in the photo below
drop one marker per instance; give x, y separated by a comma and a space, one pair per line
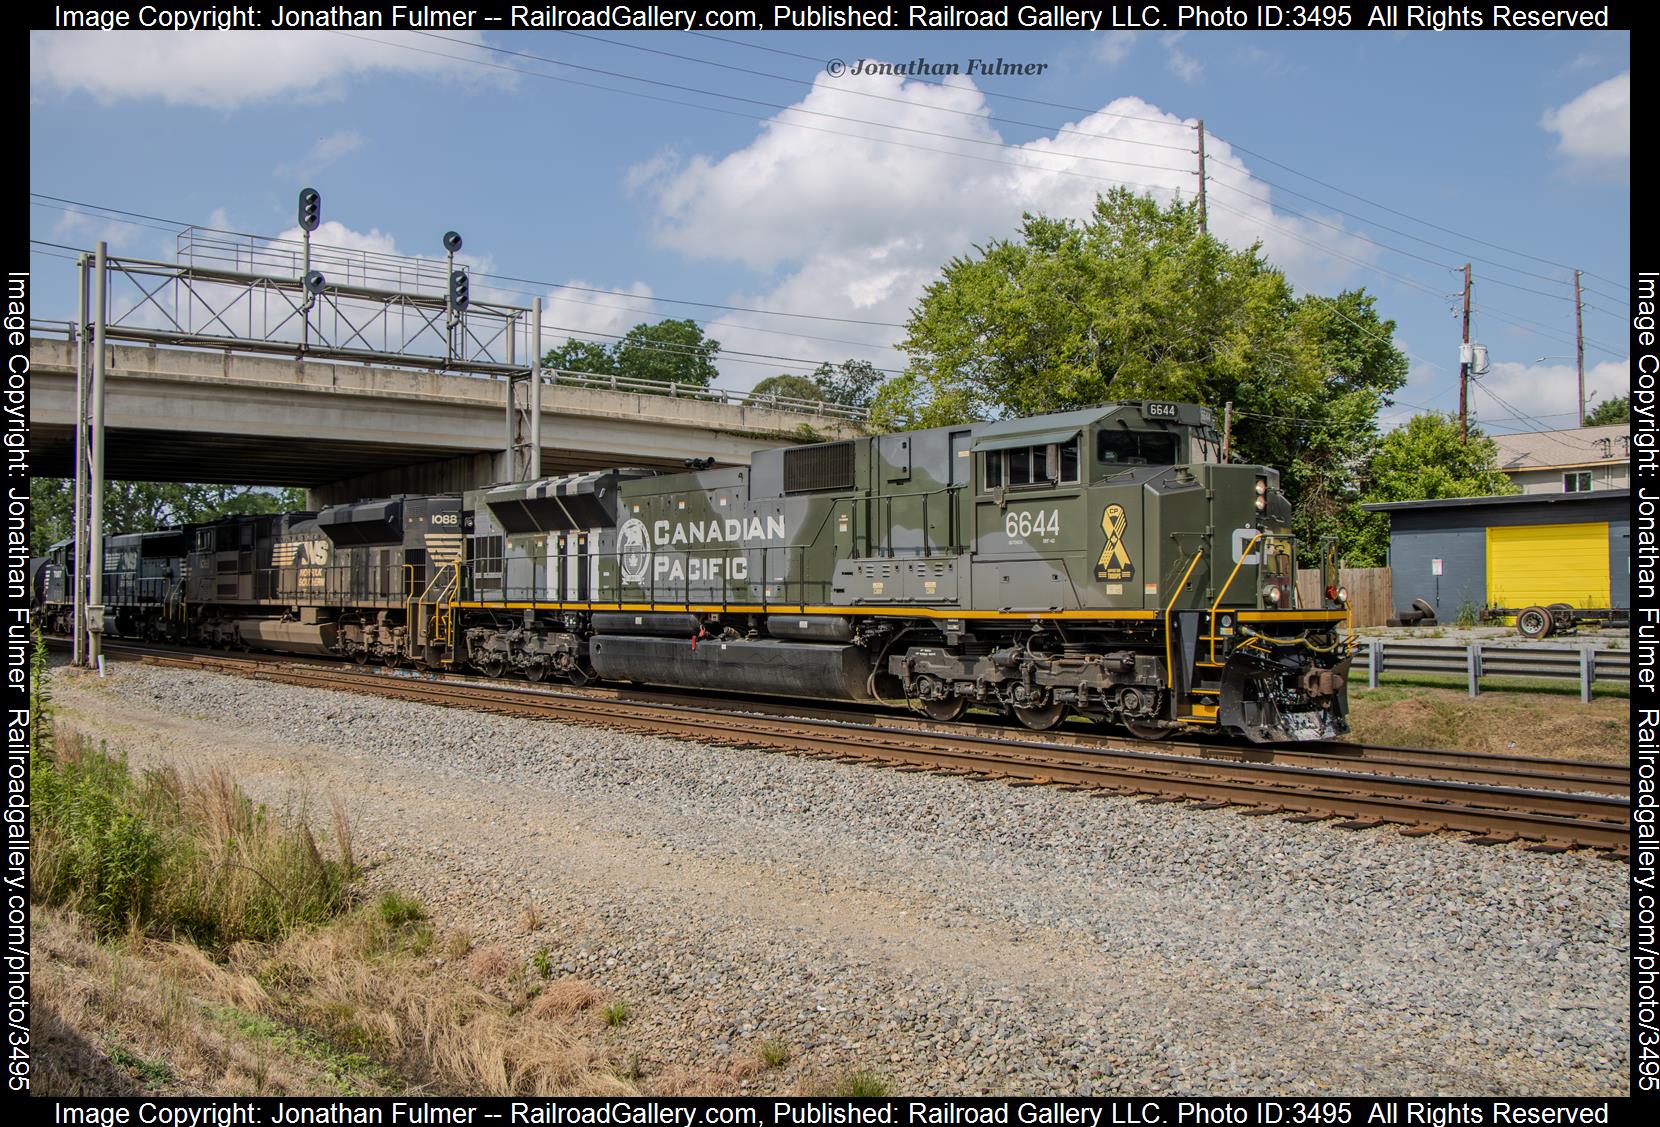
1475, 660
66, 329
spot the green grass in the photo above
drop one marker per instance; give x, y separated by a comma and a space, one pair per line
153, 1073
616, 1013
862, 1083
542, 962
350, 1072
1543, 685
193, 859
775, 1052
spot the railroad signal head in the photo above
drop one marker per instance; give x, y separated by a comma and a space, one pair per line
314, 282
311, 209
459, 296
452, 241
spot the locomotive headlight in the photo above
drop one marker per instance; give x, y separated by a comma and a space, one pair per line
1262, 503
1343, 595
1262, 487
1272, 594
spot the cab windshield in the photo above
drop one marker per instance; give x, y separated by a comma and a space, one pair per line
1135, 448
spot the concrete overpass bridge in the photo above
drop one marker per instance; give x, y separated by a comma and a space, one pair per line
345, 431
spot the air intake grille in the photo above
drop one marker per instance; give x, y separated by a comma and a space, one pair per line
810, 469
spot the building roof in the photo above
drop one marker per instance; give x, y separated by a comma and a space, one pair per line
1506, 499
1558, 449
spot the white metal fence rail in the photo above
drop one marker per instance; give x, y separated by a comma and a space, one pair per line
1584, 664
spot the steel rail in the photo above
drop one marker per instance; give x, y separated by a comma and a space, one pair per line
1551, 820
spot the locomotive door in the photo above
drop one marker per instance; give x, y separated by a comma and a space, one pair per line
416, 558
960, 490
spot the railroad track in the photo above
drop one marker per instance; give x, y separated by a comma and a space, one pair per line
1551, 805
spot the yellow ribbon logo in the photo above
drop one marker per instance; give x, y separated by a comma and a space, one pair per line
1115, 562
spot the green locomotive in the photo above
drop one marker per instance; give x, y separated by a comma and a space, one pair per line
1103, 562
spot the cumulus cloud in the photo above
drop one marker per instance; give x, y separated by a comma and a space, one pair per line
852, 221
1593, 131
1546, 395
573, 310
225, 69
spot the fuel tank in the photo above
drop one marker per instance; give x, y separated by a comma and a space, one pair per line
797, 669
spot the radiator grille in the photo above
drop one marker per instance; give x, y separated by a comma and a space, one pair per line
810, 469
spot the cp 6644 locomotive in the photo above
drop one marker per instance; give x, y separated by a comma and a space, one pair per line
1103, 562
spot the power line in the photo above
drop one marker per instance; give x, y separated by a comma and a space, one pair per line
881, 97
769, 105
1011, 97
1402, 214
796, 124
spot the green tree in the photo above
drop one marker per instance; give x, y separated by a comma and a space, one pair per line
1609, 412
788, 386
852, 383
580, 356
1422, 461
667, 352
1136, 303
145, 506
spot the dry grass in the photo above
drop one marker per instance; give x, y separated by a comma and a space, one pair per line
564, 997
345, 1009
1542, 724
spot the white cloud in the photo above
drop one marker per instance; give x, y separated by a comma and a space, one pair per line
849, 224
225, 69
327, 150
1113, 47
1594, 130
573, 310
1545, 394
1182, 65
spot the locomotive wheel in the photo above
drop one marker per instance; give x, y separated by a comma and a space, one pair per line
1039, 719
391, 659
536, 674
946, 709
1148, 731
1534, 622
492, 667
578, 676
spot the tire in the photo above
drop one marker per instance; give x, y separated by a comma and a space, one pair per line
1534, 623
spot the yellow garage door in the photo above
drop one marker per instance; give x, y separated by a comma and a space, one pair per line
1540, 564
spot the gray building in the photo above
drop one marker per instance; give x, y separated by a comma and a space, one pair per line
1527, 549
1578, 460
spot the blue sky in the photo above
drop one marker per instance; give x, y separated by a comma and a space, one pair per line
1511, 149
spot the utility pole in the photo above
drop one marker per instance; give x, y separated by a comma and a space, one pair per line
1227, 429
1464, 368
95, 508
1204, 228
1579, 344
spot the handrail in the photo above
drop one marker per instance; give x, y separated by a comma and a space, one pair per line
1169, 658
1220, 595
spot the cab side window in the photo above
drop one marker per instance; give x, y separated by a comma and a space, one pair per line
1030, 466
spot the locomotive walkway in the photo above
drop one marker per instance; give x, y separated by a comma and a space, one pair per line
350, 430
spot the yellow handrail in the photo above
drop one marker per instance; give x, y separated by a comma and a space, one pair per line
1222, 594
1169, 660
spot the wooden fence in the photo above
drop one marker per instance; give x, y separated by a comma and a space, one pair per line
1370, 590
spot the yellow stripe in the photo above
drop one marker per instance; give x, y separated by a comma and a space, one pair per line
890, 612
1293, 615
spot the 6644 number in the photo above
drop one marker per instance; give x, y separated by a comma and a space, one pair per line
1026, 524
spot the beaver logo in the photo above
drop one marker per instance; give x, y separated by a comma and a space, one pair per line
634, 550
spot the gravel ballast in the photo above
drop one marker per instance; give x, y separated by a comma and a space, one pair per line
954, 936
